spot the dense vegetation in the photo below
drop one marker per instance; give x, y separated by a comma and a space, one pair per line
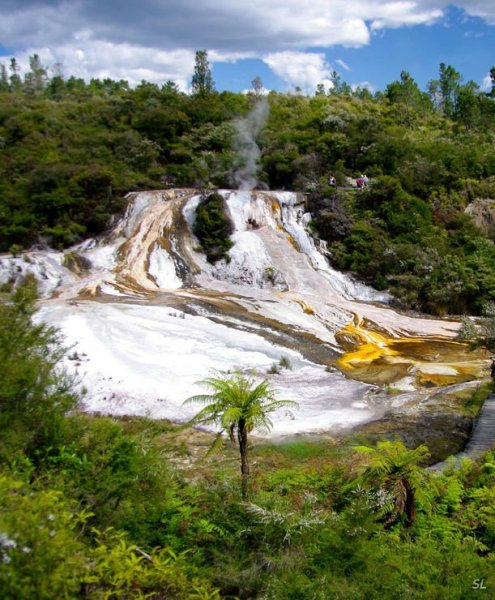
213, 228
435, 260
94, 507
70, 151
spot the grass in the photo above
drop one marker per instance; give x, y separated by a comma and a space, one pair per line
476, 398
302, 449
285, 363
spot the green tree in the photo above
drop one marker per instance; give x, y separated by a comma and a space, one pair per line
4, 78
35, 394
480, 333
320, 90
450, 81
257, 85
237, 406
407, 98
444, 90
56, 85
202, 79
15, 78
35, 80
467, 107
339, 87
394, 468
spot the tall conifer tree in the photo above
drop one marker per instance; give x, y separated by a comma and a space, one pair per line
202, 80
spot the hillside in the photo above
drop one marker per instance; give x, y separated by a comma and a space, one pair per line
70, 151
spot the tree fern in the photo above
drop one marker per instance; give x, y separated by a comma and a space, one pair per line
237, 406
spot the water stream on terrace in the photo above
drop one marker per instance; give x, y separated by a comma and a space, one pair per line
148, 316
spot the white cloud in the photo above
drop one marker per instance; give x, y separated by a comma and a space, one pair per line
487, 83
221, 25
301, 69
124, 38
400, 14
241, 26
364, 85
229, 57
344, 65
262, 92
35, 24
485, 9
118, 61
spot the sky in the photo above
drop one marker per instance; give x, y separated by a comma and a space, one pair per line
288, 43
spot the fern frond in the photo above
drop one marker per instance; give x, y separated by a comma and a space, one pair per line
216, 446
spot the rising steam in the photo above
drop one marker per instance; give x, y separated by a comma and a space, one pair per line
245, 177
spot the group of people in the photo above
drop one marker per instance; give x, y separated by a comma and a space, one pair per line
361, 182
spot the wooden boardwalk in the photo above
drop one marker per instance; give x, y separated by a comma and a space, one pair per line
482, 437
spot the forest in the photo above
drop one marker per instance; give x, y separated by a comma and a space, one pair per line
100, 507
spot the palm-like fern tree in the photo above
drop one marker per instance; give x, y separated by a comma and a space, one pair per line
396, 469
238, 406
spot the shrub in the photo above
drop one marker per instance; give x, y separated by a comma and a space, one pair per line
35, 393
285, 363
213, 227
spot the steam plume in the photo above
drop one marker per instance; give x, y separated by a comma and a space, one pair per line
245, 177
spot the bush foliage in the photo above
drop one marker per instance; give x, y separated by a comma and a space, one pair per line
213, 227
104, 508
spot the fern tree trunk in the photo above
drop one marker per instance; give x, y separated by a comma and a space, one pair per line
243, 449
410, 504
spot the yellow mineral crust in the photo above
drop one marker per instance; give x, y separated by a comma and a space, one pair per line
373, 357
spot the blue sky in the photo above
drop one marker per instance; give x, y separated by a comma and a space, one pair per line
467, 43
288, 43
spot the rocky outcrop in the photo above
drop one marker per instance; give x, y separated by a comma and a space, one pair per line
443, 421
